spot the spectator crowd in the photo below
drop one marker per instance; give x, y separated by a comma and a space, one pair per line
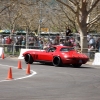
35, 42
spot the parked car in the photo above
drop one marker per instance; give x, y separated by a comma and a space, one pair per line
57, 55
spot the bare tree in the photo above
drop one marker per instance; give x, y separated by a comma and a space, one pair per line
16, 13
81, 9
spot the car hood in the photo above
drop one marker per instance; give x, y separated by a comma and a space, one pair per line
32, 52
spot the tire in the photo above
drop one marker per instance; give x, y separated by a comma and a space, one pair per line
28, 59
57, 61
76, 65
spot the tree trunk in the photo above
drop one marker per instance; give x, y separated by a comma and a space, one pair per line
83, 40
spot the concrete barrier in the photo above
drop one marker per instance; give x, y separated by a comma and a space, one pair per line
1, 51
96, 59
24, 50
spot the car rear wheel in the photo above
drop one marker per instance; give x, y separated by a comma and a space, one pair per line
76, 65
57, 61
28, 59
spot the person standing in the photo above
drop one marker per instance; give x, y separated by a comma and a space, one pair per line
8, 42
68, 33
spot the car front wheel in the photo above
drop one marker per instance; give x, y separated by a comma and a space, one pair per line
28, 59
57, 61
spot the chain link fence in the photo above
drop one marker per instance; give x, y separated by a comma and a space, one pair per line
13, 44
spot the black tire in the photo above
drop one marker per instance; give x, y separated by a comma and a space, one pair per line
28, 59
57, 61
76, 65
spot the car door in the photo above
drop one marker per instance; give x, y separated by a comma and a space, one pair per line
45, 56
48, 55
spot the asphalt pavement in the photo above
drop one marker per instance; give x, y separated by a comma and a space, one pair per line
50, 83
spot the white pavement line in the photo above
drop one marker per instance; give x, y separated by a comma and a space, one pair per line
33, 73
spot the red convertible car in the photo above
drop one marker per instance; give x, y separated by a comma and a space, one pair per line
57, 55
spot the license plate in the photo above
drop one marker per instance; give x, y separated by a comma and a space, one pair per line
80, 61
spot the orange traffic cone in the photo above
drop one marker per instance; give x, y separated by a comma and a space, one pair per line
2, 56
28, 69
19, 65
9, 77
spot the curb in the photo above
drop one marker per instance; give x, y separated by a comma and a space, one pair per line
89, 63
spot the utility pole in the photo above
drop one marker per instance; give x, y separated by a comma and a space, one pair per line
40, 19
26, 37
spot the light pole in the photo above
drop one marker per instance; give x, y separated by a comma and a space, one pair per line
40, 18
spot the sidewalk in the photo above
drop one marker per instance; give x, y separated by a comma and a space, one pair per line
90, 62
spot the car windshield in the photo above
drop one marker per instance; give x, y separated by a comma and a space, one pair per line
66, 49
51, 49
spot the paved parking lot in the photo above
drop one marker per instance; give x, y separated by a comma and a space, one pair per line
50, 83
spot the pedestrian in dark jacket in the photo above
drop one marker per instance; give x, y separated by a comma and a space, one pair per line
68, 33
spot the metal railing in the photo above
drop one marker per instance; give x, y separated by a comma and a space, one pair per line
41, 43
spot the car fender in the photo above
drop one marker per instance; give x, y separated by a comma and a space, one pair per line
34, 55
56, 56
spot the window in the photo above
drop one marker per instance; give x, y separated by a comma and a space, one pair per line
52, 49
66, 49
